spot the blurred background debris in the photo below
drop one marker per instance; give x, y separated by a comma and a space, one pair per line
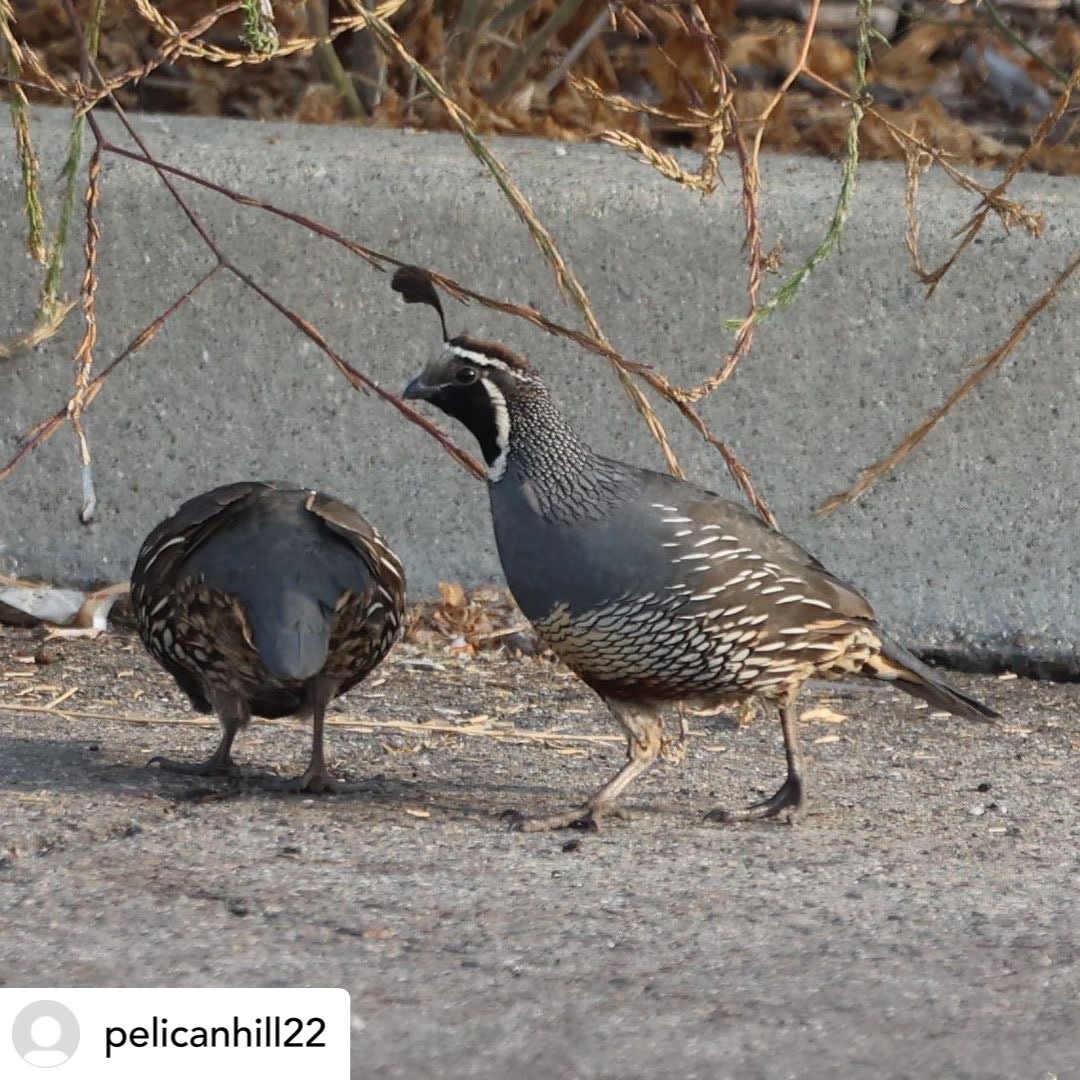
973, 78
470, 622
35, 603
463, 622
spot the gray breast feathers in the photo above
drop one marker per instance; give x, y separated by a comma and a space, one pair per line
670, 595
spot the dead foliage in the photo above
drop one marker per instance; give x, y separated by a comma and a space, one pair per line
466, 623
949, 74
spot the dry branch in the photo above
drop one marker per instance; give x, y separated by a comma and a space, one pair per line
994, 199
84, 355
545, 242
45, 429
873, 473
364, 725
624, 368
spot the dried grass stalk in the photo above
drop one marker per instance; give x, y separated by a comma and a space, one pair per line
874, 472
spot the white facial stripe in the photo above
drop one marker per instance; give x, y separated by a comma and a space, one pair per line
478, 358
502, 428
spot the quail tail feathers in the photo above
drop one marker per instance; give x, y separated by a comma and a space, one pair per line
908, 673
293, 641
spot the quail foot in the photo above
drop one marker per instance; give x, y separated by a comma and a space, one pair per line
653, 590
267, 600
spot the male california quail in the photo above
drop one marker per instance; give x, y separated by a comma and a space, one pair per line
650, 588
264, 599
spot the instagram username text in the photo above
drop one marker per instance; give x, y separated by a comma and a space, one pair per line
264, 1032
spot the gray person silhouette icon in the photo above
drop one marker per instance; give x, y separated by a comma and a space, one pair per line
45, 1034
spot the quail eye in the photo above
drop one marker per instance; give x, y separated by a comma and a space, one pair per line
465, 376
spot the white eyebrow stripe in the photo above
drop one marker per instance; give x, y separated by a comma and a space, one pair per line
482, 359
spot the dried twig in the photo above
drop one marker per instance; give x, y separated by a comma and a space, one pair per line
178, 43
45, 429
11, 56
993, 200
722, 119
916, 162
739, 473
380, 260
849, 171
873, 473
51, 310
564, 276
187, 43
357, 378
84, 355
361, 724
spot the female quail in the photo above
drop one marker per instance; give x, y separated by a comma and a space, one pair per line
651, 589
267, 600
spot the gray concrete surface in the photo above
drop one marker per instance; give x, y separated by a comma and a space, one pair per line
922, 923
968, 549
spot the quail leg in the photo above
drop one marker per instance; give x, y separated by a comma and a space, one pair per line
219, 763
644, 739
791, 795
316, 778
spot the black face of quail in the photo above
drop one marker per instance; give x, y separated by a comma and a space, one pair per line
471, 381
454, 385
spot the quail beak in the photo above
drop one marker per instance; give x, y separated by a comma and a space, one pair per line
418, 389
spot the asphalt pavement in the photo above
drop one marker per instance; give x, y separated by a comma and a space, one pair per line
921, 922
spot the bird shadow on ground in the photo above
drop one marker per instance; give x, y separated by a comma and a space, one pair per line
35, 764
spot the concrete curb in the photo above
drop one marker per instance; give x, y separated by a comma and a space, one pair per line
968, 549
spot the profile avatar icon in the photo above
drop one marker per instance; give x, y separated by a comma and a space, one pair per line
45, 1034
